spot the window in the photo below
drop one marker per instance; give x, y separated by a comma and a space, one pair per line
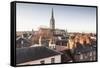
81, 56
52, 60
90, 53
42, 62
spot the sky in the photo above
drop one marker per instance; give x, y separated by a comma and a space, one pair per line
70, 18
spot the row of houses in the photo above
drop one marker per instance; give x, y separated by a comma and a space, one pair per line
49, 50
72, 51
82, 47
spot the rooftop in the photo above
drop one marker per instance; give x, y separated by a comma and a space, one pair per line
33, 53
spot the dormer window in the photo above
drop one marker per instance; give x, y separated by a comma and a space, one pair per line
42, 62
52, 60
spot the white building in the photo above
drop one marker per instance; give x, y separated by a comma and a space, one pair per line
48, 60
37, 55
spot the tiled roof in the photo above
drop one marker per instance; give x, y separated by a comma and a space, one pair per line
33, 53
84, 48
26, 42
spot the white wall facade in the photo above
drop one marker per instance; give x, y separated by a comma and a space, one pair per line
47, 60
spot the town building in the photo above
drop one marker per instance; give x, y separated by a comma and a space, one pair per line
84, 53
37, 55
50, 36
22, 42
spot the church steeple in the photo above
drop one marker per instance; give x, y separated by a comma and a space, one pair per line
52, 21
52, 13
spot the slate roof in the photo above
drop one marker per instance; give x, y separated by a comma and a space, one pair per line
33, 53
60, 48
84, 48
26, 42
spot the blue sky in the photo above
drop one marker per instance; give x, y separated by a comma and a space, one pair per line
72, 18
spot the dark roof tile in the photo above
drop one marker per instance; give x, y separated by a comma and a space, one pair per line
33, 53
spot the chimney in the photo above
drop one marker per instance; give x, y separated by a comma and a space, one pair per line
52, 44
40, 41
22, 36
22, 43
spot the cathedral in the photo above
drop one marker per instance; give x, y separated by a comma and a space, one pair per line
52, 29
52, 34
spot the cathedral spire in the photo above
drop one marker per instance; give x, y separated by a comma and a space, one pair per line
52, 21
52, 13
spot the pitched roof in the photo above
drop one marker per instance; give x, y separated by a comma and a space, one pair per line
84, 48
61, 48
33, 53
25, 44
